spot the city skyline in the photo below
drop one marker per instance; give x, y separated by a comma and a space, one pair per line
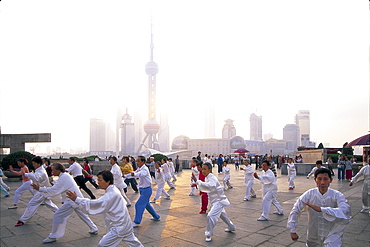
243, 58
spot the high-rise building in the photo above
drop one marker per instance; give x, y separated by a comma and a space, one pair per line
228, 130
302, 120
210, 122
164, 134
127, 135
291, 134
255, 127
101, 136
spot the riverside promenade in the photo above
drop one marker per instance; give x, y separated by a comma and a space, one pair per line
182, 225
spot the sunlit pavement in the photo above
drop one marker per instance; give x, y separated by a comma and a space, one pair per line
182, 225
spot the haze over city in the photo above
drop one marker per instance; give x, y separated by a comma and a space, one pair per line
63, 63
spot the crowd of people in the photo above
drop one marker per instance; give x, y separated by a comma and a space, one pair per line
329, 211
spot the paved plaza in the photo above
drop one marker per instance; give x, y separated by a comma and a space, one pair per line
182, 225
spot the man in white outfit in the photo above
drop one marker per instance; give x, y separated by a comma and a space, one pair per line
328, 213
269, 191
41, 177
318, 165
118, 179
217, 198
64, 183
112, 205
365, 171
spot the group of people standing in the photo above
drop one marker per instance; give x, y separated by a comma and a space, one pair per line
329, 211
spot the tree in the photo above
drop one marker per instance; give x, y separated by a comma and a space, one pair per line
11, 159
321, 146
347, 151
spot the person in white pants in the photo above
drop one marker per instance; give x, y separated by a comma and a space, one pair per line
195, 172
64, 183
365, 172
217, 198
292, 173
26, 182
226, 173
171, 167
118, 179
167, 173
159, 179
5, 186
269, 191
112, 205
328, 213
248, 180
41, 177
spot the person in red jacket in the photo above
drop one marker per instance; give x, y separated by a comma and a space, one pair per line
204, 195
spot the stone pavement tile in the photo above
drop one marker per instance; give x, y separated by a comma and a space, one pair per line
31, 240
255, 239
5, 232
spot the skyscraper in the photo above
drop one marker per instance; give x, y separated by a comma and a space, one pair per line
101, 136
164, 134
151, 127
302, 120
210, 122
291, 134
255, 127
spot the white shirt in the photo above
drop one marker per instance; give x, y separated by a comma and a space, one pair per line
365, 171
313, 170
114, 208
248, 174
40, 176
291, 169
226, 171
143, 174
117, 177
327, 225
214, 189
64, 183
75, 169
159, 178
268, 181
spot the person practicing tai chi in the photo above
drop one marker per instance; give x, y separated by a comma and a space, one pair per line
269, 191
60, 217
159, 179
118, 179
41, 177
365, 172
248, 180
26, 182
145, 188
292, 173
328, 213
226, 173
318, 165
113, 206
217, 198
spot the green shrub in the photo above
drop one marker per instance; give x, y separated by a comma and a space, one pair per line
11, 159
157, 157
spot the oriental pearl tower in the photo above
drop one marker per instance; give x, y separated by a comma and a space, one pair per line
151, 127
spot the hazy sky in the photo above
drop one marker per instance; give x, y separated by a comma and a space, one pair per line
64, 62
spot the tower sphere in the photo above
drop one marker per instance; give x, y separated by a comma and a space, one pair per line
151, 68
151, 127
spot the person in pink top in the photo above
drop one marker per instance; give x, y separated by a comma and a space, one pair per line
26, 182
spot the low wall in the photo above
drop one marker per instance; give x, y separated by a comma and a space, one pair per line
301, 168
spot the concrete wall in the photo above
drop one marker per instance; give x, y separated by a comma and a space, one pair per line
311, 156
